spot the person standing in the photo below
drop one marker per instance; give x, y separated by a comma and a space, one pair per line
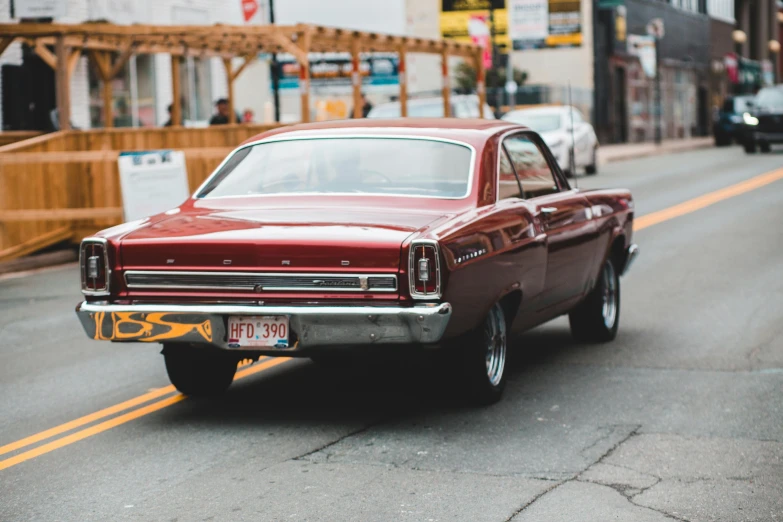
221, 116
366, 106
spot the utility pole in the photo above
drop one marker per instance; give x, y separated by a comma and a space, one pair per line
275, 68
658, 105
656, 29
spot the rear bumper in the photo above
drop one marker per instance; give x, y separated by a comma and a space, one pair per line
767, 137
311, 326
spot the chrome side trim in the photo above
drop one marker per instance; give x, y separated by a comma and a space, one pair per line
83, 268
283, 137
633, 252
360, 283
311, 326
412, 270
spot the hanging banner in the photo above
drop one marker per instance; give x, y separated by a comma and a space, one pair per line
478, 28
643, 47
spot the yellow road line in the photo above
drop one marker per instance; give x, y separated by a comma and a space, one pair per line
116, 421
692, 205
640, 223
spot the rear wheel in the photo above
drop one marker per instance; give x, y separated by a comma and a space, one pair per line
765, 147
483, 358
750, 146
597, 318
570, 171
199, 371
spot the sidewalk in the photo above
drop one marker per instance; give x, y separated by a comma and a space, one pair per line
625, 151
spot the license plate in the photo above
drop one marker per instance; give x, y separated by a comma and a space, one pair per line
252, 330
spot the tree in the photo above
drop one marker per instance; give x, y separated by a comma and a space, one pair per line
465, 77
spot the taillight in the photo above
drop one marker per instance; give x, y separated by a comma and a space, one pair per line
424, 270
94, 263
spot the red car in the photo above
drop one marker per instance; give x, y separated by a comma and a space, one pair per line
311, 240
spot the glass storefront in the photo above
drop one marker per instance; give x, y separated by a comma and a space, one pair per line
133, 95
678, 101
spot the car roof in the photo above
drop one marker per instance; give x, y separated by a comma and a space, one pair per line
472, 130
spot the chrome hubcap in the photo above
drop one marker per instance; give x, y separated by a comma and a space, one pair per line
495, 341
609, 297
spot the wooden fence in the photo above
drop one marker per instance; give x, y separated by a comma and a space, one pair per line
65, 185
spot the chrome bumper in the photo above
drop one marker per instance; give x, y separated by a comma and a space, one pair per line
630, 256
311, 326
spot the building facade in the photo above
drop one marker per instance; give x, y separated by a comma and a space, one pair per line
142, 92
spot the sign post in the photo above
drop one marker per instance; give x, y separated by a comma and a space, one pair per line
656, 29
152, 182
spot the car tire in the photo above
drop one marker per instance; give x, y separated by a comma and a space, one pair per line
592, 169
597, 318
749, 146
570, 170
199, 371
765, 147
722, 140
482, 359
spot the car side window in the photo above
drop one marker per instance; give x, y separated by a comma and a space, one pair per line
508, 185
531, 166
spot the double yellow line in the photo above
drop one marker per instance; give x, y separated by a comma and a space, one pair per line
264, 364
165, 397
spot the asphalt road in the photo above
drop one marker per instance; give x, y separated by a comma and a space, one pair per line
681, 417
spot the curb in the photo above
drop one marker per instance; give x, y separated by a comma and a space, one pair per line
654, 151
23, 264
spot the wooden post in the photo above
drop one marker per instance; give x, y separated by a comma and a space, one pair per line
401, 71
232, 116
63, 84
480, 87
356, 78
446, 88
304, 74
108, 109
176, 107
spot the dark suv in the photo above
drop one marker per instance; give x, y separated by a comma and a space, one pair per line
763, 123
728, 126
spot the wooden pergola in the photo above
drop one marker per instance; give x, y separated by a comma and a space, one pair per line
110, 46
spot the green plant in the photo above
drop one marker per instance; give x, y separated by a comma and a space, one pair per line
465, 77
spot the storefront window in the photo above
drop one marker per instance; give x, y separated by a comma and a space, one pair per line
196, 89
133, 95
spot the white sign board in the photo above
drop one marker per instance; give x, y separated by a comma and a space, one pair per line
152, 182
40, 8
643, 47
528, 19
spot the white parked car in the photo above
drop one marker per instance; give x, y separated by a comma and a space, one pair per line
462, 106
553, 123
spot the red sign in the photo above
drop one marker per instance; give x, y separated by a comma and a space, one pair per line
732, 67
249, 9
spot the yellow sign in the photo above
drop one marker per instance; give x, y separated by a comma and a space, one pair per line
454, 26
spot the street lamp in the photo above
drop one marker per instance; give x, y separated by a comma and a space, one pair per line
739, 38
774, 49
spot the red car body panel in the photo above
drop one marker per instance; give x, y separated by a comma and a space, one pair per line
489, 248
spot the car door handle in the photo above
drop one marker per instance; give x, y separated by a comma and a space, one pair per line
548, 210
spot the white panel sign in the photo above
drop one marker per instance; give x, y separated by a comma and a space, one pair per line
644, 48
152, 182
528, 19
40, 8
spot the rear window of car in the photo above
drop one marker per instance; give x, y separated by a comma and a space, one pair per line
359, 165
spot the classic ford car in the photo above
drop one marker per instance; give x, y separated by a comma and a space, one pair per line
315, 239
